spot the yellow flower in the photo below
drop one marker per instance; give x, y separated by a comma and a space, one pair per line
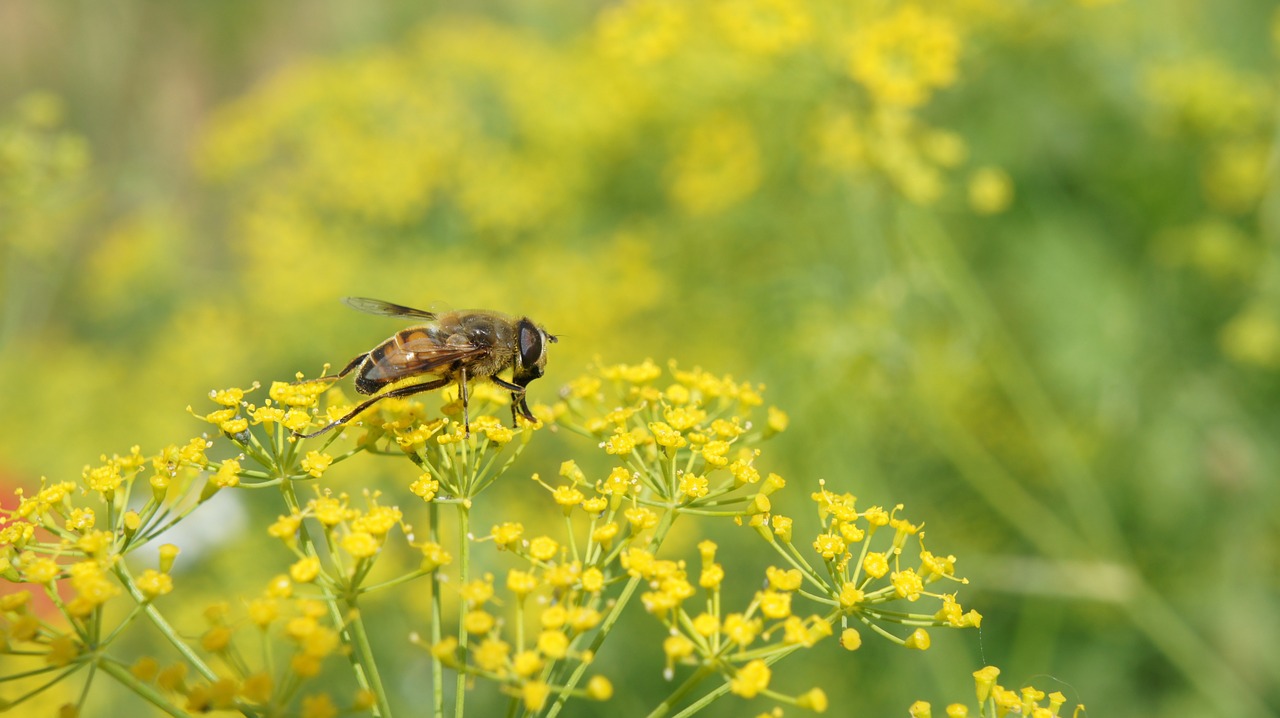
599, 688
491, 654
285, 527
318, 706
711, 577
784, 579
263, 611
152, 583
526, 663
830, 546
305, 570
425, 487
504, 535
744, 473
683, 418
751, 679
227, 475
316, 462
814, 700
477, 592
62, 650
544, 548
782, 527
553, 644
775, 604
1253, 337
740, 629
617, 484
93, 587
103, 479
620, 444
478, 622
902, 58
567, 497
876, 565
605, 533
919, 640
592, 580
145, 669
378, 520
534, 694
694, 486
666, 436
521, 583
361, 544
216, 639
257, 687
850, 595
850, 639
764, 27
434, 556
41, 570
331, 511
907, 584
677, 647
642, 31
990, 190
714, 452
706, 624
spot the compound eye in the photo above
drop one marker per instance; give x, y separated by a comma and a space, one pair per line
530, 347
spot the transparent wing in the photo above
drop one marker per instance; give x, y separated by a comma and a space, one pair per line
386, 309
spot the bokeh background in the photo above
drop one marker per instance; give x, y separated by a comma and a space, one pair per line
1009, 262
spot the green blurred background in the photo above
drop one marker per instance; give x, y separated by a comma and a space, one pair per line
1010, 263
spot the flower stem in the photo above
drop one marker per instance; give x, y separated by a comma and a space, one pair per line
464, 564
355, 627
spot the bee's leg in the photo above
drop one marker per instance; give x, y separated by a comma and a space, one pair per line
462, 391
517, 399
334, 377
397, 392
352, 365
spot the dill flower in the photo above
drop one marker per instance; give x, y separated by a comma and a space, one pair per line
990, 190
534, 694
903, 57
153, 583
764, 27
751, 679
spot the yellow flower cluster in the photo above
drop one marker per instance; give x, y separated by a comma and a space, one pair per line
995, 700
684, 444
300, 626
857, 587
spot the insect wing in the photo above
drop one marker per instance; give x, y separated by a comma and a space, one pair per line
386, 309
412, 352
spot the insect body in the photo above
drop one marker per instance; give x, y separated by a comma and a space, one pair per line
457, 346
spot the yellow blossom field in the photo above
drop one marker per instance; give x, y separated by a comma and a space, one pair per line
893, 358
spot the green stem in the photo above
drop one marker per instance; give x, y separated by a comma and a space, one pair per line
437, 619
464, 566
680, 692
367, 661
151, 695
162, 625
607, 625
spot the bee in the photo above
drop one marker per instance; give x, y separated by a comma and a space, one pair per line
449, 347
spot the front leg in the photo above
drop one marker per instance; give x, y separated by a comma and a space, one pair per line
517, 400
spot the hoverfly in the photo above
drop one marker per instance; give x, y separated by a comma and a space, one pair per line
455, 346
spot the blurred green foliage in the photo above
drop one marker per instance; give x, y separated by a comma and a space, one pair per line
1012, 263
